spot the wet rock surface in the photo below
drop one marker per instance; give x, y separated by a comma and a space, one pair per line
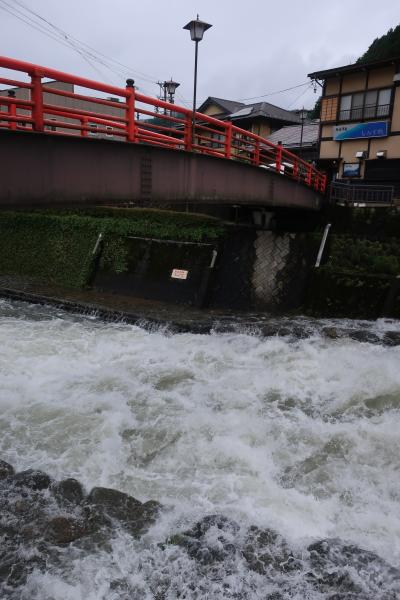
68, 491
41, 520
6, 470
107, 504
39, 517
34, 480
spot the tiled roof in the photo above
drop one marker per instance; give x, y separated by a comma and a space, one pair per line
265, 109
354, 68
235, 110
291, 134
228, 106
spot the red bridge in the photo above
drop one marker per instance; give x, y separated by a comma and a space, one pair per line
60, 144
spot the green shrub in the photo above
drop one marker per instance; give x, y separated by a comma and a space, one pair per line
57, 246
364, 255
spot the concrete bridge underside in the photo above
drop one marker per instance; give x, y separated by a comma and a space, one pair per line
49, 170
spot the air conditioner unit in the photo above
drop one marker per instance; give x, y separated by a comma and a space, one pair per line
381, 154
362, 154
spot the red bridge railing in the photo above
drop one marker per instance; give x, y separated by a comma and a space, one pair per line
57, 108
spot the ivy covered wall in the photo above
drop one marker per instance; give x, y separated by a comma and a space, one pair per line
360, 274
57, 246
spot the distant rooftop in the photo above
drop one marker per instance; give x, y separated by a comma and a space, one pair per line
290, 135
229, 106
235, 110
354, 67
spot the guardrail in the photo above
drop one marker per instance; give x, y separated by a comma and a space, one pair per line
135, 118
348, 193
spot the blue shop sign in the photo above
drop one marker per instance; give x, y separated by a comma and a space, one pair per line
357, 131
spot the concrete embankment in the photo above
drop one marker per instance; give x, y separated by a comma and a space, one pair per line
125, 261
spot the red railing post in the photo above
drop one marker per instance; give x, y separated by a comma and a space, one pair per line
188, 138
296, 168
12, 111
37, 99
278, 162
228, 140
256, 156
84, 124
309, 175
130, 111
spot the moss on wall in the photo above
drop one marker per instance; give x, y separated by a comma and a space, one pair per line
358, 276
349, 294
57, 246
364, 255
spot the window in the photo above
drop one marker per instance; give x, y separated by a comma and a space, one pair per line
383, 103
370, 104
329, 109
109, 131
365, 105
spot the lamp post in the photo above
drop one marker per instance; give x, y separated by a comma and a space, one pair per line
197, 29
303, 116
170, 89
167, 88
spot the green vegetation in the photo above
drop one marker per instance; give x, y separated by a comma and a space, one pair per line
387, 46
360, 255
316, 111
57, 246
361, 266
350, 294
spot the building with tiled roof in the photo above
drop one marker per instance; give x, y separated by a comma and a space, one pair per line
261, 118
304, 144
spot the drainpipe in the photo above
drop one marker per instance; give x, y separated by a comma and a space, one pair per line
322, 245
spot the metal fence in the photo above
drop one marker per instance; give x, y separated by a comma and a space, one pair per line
348, 193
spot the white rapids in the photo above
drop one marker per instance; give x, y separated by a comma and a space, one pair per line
300, 435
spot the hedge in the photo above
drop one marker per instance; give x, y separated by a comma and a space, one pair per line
57, 246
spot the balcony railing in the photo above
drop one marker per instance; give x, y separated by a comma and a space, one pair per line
350, 194
369, 111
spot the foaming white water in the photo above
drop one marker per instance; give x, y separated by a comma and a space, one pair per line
301, 436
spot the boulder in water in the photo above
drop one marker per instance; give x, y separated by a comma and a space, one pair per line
6, 470
267, 550
63, 530
68, 491
113, 504
210, 540
340, 567
32, 479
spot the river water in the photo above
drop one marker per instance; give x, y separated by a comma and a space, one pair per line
297, 435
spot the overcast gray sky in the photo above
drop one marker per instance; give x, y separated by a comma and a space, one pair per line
255, 47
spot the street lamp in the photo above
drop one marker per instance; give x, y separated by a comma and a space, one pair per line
303, 113
197, 29
170, 89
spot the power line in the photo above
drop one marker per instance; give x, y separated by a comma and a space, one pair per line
95, 54
301, 95
273, 93
57, 34
47, 33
